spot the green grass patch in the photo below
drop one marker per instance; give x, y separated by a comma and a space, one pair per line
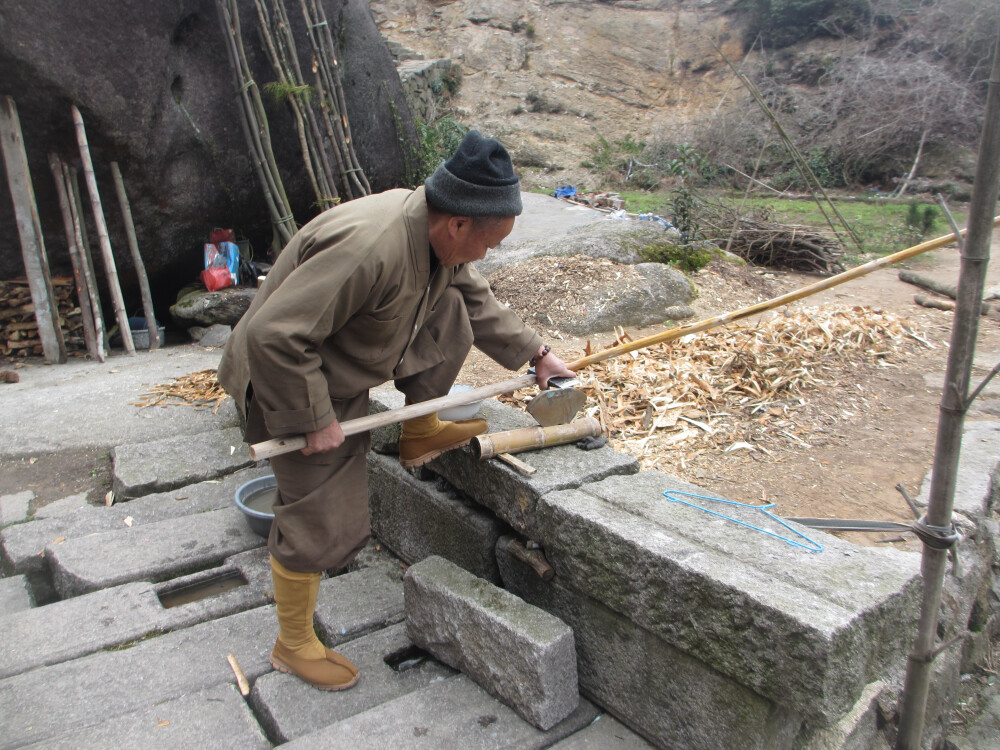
640, 202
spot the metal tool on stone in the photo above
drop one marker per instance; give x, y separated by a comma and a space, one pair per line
557, 405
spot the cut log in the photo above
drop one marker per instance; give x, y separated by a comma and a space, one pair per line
946, 290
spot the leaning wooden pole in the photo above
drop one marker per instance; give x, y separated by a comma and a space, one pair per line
110, 269
951, 420
279, 446
29, 228
80, 228
140, 268
79, 268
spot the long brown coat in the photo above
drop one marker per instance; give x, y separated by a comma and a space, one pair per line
342, 311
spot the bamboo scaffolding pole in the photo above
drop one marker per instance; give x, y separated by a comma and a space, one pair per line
253, 120
110, 269
80, 227
79, 268
140, 268
951, 421
29, 229
279, 446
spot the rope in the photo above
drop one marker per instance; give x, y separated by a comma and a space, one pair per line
285, 220
670, 495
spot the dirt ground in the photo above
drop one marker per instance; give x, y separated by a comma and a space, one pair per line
871, 428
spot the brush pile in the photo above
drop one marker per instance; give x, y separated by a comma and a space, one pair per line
18, 328
733, 388
198, 389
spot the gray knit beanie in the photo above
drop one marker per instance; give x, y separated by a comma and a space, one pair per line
478, 180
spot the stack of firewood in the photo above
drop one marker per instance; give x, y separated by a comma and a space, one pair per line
18, 328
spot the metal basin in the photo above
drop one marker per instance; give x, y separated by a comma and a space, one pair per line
255, 499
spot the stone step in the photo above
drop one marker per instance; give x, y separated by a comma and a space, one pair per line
72, 628
163, 465
452, 713
417, 519
603, 733
288, 708
150, 552
24, 543
53, 701
518, 653
14, 507
513, 496
805, 629
217, 716
361, 602
15, 596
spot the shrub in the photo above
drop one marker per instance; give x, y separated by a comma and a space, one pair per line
687, 257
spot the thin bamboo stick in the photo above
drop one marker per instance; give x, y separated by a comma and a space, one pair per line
110, 268
29, 229
140, 268
80, 227
784, 299
79, 269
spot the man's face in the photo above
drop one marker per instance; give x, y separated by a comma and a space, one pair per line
468, 241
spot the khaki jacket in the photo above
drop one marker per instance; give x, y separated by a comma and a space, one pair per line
342, 311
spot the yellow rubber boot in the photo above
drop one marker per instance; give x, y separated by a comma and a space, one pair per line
426, 438
298, 651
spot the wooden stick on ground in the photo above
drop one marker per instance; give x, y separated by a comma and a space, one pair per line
110, 268
79, 269
140, 268
36, 264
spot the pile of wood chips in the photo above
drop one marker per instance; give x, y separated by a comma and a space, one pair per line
18, 328
198, 389
732, 388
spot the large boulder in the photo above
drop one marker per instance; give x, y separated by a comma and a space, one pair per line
156, 91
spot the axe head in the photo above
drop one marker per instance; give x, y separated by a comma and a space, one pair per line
557, 405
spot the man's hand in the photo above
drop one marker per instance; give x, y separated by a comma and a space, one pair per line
550, 366
324, 440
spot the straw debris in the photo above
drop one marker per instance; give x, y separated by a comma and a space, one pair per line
734, 388
199, 389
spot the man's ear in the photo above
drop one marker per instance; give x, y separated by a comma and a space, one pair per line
457, 224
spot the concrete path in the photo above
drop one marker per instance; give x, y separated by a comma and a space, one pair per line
116, 623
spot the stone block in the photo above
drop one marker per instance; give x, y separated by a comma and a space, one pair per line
289, 708
75, 627
14, 507
858, 730
518, 653
669, 697
15, 596
978, 474
452, 713
164, 465
385, 398
184, 723
356, 603
61, 507
56, 700
417, 519
513, 495
151, 552
23, 544
604, 733
807, 630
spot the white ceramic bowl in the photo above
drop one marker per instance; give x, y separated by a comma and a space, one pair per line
464, 411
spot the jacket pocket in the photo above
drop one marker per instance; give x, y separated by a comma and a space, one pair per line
368, 339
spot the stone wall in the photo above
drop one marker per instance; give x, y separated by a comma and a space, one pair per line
695, 631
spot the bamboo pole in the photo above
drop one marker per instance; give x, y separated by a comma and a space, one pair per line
278, 446
784, 299
29, 229
140, 268
533, 438
951, 420
80, 227
110, 269
79, 269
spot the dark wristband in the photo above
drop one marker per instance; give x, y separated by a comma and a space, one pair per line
545, 350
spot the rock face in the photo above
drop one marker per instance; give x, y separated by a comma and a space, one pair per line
156, 92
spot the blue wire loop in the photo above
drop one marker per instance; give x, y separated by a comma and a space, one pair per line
671, 496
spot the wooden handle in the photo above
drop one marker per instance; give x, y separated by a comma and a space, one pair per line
279, 446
